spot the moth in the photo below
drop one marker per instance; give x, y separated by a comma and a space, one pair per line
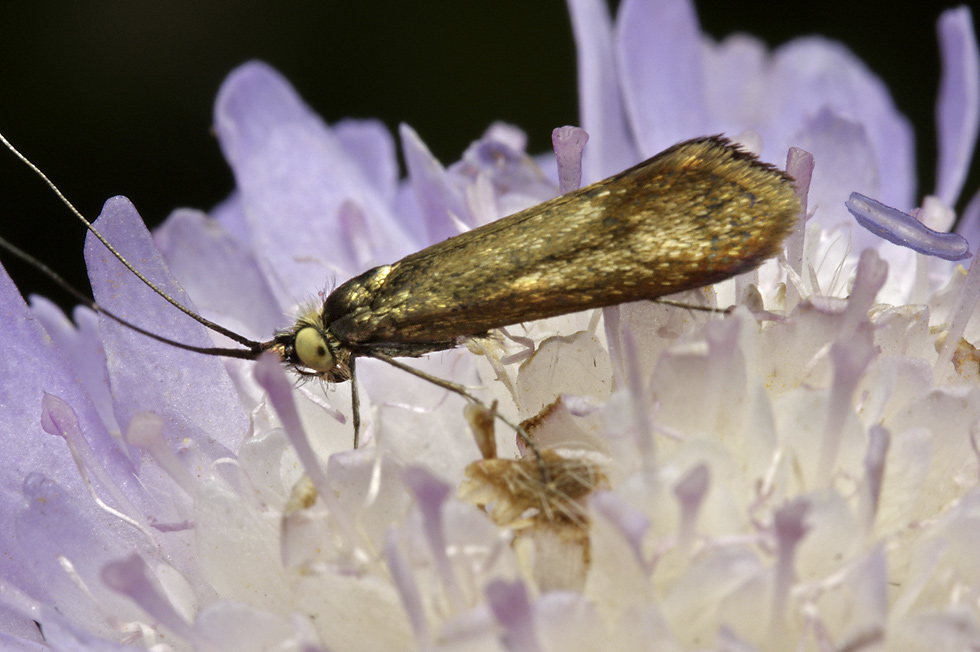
695, 214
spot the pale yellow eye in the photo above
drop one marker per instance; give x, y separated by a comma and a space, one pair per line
312, 350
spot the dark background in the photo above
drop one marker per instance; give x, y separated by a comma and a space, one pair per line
114, 97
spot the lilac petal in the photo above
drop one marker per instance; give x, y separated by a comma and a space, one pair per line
271, 377
631, 524
790, 527
430, 494
902, 229
969, 224
958, 106
512, 608
872, 272
371, 146
30, 366
871, 586
132, 577
691, 491
60, 633
293, 174
222, 277
357, 235
145, 432
813, 75
55, 522
850, 356
845, 161
82, 345
659, 48
570, 621
440, 201
245, 628
799, 165
966, 303
230, 214
58, 419
18, 631
13, 643
735, 76
569, 143
508, 168
879, 440
192, 392
936, 215
600, 99
408, 590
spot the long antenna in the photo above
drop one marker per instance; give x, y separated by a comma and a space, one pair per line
245, 354
255, 347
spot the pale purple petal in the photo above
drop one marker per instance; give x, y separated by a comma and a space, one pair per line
631, 524
814, 75
58, 419
371, 146
969, 295
497, 179
441, 202
430, 495
19, 632
969, 224
192, 392
958, 106
799, 165
30, 366
870, 277
601, 108
407, 207
570, 621
408, 590
293, 174
272, 377
63, 634
789, 525
145, 432
54, 521
244, 628
82, 346
879, 440
231, 215
844, 159
850, 356
14, 643
660, 62
512, 608
222, 277
132, 577
569, 143
509, 169
902, 229
735, 80
935, 214
690, 492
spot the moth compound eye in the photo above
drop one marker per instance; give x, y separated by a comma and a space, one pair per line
312, 350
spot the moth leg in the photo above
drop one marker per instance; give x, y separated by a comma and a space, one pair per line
462, 391
355, 400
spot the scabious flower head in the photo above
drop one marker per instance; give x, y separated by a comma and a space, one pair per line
798, 474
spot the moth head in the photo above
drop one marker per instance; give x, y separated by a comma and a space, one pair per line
311, 350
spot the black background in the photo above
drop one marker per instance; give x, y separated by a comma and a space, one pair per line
115, 97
